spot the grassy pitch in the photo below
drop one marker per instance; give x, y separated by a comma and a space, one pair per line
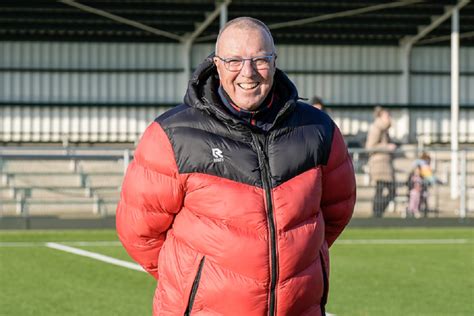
373, 272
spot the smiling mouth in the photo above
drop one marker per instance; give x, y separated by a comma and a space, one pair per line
248, 86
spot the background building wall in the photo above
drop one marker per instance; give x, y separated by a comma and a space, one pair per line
102, 91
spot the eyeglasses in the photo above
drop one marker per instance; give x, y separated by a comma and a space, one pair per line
237, 63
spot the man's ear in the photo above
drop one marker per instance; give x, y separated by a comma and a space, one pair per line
217, 67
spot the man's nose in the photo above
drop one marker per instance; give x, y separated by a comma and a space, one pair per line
247, 68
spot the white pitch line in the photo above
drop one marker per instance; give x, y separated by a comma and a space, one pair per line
92, 243
103, 258
74, 243
402, 241
93, 255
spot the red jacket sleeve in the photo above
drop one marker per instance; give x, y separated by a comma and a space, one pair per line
339, 189
151, 196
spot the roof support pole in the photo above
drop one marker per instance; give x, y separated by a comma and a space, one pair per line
120, 19
446, 38
405, 55
341, 14
435, 22
223, 16
186, 56
454, 103
405, 59
187, 41
452, 12
331, 16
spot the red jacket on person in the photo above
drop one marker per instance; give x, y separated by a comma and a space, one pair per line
232, 219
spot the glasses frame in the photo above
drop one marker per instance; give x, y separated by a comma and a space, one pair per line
252, 61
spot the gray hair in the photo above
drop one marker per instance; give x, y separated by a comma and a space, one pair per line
246, 23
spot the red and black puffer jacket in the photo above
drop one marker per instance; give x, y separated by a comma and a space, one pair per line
232, 220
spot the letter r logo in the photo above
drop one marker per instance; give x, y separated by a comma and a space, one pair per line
217, 153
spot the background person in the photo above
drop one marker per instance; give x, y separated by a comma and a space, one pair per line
415, 192
428, 179
234, 197
381, 160
317, 102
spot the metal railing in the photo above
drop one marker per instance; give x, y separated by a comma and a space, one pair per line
440, 203
20, 196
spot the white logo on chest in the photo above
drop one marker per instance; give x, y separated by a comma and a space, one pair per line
217, 154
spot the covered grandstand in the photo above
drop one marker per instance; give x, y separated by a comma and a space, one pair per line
99, 71
95, 73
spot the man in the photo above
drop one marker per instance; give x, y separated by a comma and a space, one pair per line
380, 160
234, 197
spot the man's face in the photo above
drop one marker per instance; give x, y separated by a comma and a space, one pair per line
248, 87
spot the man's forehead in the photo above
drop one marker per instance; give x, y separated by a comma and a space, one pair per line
245, 30
232, 39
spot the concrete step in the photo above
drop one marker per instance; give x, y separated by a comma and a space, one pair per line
94, 166
368, 192
71, 207
403, 164
45, 180
362, 179
6, 193
49, 207
445, 208
108, 193
109, 207
446, 155
105, 180
32, 166
59, 194
363, 209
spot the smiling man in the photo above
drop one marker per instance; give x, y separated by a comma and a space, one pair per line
235, 196
246, 82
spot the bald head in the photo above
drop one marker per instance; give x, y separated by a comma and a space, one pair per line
244, 24
245, 62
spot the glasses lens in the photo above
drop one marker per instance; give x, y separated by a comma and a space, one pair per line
259, 63
234, 64
262, 62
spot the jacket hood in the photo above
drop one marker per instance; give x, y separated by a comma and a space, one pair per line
202, 92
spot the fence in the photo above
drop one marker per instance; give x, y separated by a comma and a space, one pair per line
124, 123
435, 191
85, 182
61, 181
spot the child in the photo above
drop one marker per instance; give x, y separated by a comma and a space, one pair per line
423, 165
425, 168
416, 190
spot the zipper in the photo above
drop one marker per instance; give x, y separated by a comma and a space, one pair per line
266, 181
194, 289
325, 285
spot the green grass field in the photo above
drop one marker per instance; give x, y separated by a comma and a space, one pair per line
373, 272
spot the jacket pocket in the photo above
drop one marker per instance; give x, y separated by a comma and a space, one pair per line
194, 289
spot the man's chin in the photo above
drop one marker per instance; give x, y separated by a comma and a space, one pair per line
249, 106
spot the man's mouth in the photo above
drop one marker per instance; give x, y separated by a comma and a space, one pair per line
248, 86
